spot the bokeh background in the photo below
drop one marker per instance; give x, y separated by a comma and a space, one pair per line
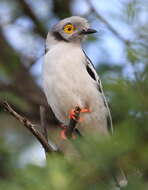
119, 52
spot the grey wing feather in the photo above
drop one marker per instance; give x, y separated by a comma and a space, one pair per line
92, 72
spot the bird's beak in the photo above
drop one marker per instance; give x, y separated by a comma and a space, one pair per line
88, 31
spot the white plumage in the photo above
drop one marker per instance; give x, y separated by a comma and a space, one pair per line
70, 80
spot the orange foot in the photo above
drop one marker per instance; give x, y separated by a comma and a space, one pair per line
72, 114
63, 135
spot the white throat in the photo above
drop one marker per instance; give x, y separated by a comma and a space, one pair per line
52, 42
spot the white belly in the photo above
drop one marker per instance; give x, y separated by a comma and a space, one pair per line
67, 85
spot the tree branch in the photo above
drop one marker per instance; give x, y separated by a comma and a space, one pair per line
30, 126
43, 122
43, 139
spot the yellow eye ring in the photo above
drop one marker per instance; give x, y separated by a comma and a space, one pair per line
69, 28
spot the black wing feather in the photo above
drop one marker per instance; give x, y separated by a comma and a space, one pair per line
92, 72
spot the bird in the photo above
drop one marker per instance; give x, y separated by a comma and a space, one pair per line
70, 78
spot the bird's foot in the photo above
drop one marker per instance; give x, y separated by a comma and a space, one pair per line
85, 110
72, 114
64, 136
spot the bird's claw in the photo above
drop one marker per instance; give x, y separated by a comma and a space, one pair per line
64, 136
85, 110
73, 116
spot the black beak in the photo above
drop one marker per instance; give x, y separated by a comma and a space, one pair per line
88, 31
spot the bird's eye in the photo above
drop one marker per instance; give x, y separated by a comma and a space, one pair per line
69, 28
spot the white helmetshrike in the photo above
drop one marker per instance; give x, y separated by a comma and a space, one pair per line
70, 79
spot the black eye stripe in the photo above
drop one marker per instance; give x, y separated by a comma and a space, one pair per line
59, 37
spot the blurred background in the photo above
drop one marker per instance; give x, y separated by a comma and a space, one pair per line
119, 52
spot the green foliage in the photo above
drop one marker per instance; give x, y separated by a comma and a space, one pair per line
98, 157
92, 168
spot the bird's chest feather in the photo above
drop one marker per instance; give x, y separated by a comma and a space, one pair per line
65, 66
67, 83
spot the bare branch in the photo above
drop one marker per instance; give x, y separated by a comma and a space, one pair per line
30, 126
43, 121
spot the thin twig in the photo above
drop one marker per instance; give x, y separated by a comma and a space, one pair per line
30, 126
73, 122
43, 122
109, 26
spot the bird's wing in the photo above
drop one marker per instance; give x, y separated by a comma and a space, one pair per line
92, 72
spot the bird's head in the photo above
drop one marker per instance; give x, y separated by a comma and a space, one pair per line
72, 29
